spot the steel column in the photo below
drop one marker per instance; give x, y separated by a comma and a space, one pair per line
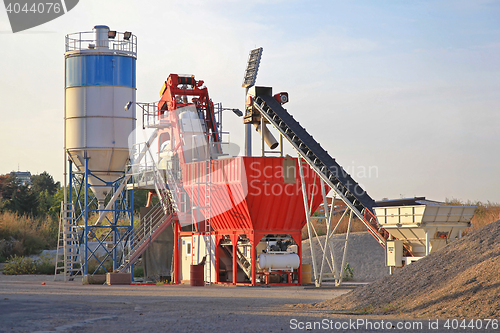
234, 241
345, 248
308, 217
85, 217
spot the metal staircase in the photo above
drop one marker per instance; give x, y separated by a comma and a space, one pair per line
152, 224
322, 163
241, 260
244, 263
68, 258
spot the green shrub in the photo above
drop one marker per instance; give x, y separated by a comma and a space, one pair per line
19, 266
138, 271
348, 272
45, 265
106, 267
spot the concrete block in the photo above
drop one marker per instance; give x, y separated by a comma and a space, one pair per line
94, 279
118, 278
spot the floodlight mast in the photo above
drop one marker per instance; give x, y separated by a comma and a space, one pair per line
249, 81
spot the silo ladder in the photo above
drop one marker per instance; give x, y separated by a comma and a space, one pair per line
68, 258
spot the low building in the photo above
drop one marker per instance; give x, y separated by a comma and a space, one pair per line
24, 177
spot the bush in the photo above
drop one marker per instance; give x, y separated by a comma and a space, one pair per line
106, 267
45, 265
348, 272
138, 271
17, 265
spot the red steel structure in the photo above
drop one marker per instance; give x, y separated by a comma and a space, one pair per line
251, 197
174, 95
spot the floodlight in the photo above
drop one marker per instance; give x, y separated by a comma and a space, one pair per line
238, 112
128, 105
127, 35
252, 68
111, 34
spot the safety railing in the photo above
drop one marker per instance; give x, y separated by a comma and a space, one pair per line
123, 41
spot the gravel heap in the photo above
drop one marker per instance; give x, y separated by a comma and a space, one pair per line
459, 281
364, 254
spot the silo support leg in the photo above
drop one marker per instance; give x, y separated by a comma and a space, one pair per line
345, 248
309, 223
234, 241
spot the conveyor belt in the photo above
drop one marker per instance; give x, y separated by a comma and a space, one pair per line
322, 163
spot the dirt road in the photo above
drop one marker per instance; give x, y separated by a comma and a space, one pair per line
28, 306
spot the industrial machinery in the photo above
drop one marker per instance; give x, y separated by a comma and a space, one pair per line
229, 209
240, 217
235, 213
100, 78
419, 226
225, 207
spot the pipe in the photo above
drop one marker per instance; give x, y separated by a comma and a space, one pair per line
268, 137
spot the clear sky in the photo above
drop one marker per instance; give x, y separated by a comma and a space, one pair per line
404, 94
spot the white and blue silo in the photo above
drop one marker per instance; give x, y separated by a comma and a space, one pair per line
100, 79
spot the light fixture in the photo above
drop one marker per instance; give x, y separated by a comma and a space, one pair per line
127, 35
252, 68
111, 34
128, 105
238, 112
235, 111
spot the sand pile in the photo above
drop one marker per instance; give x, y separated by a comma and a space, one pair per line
364, 254
462, 280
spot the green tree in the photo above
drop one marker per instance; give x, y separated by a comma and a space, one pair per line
140, 199
44, 182
55, 208
24, 201
45, 202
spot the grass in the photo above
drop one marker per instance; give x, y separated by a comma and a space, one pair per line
22, 235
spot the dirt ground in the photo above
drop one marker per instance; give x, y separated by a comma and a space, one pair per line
434, 294
459, 281
26, 305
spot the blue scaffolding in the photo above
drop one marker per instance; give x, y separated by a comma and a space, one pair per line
116, 230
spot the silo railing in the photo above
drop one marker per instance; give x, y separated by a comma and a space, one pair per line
122, 41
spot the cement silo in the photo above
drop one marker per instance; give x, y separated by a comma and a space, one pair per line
100, 79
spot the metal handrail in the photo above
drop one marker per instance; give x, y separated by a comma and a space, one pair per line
142, 233
83, 41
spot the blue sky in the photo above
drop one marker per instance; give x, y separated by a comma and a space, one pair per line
409, 89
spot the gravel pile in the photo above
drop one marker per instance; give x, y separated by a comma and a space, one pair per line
364, 254
459, 281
